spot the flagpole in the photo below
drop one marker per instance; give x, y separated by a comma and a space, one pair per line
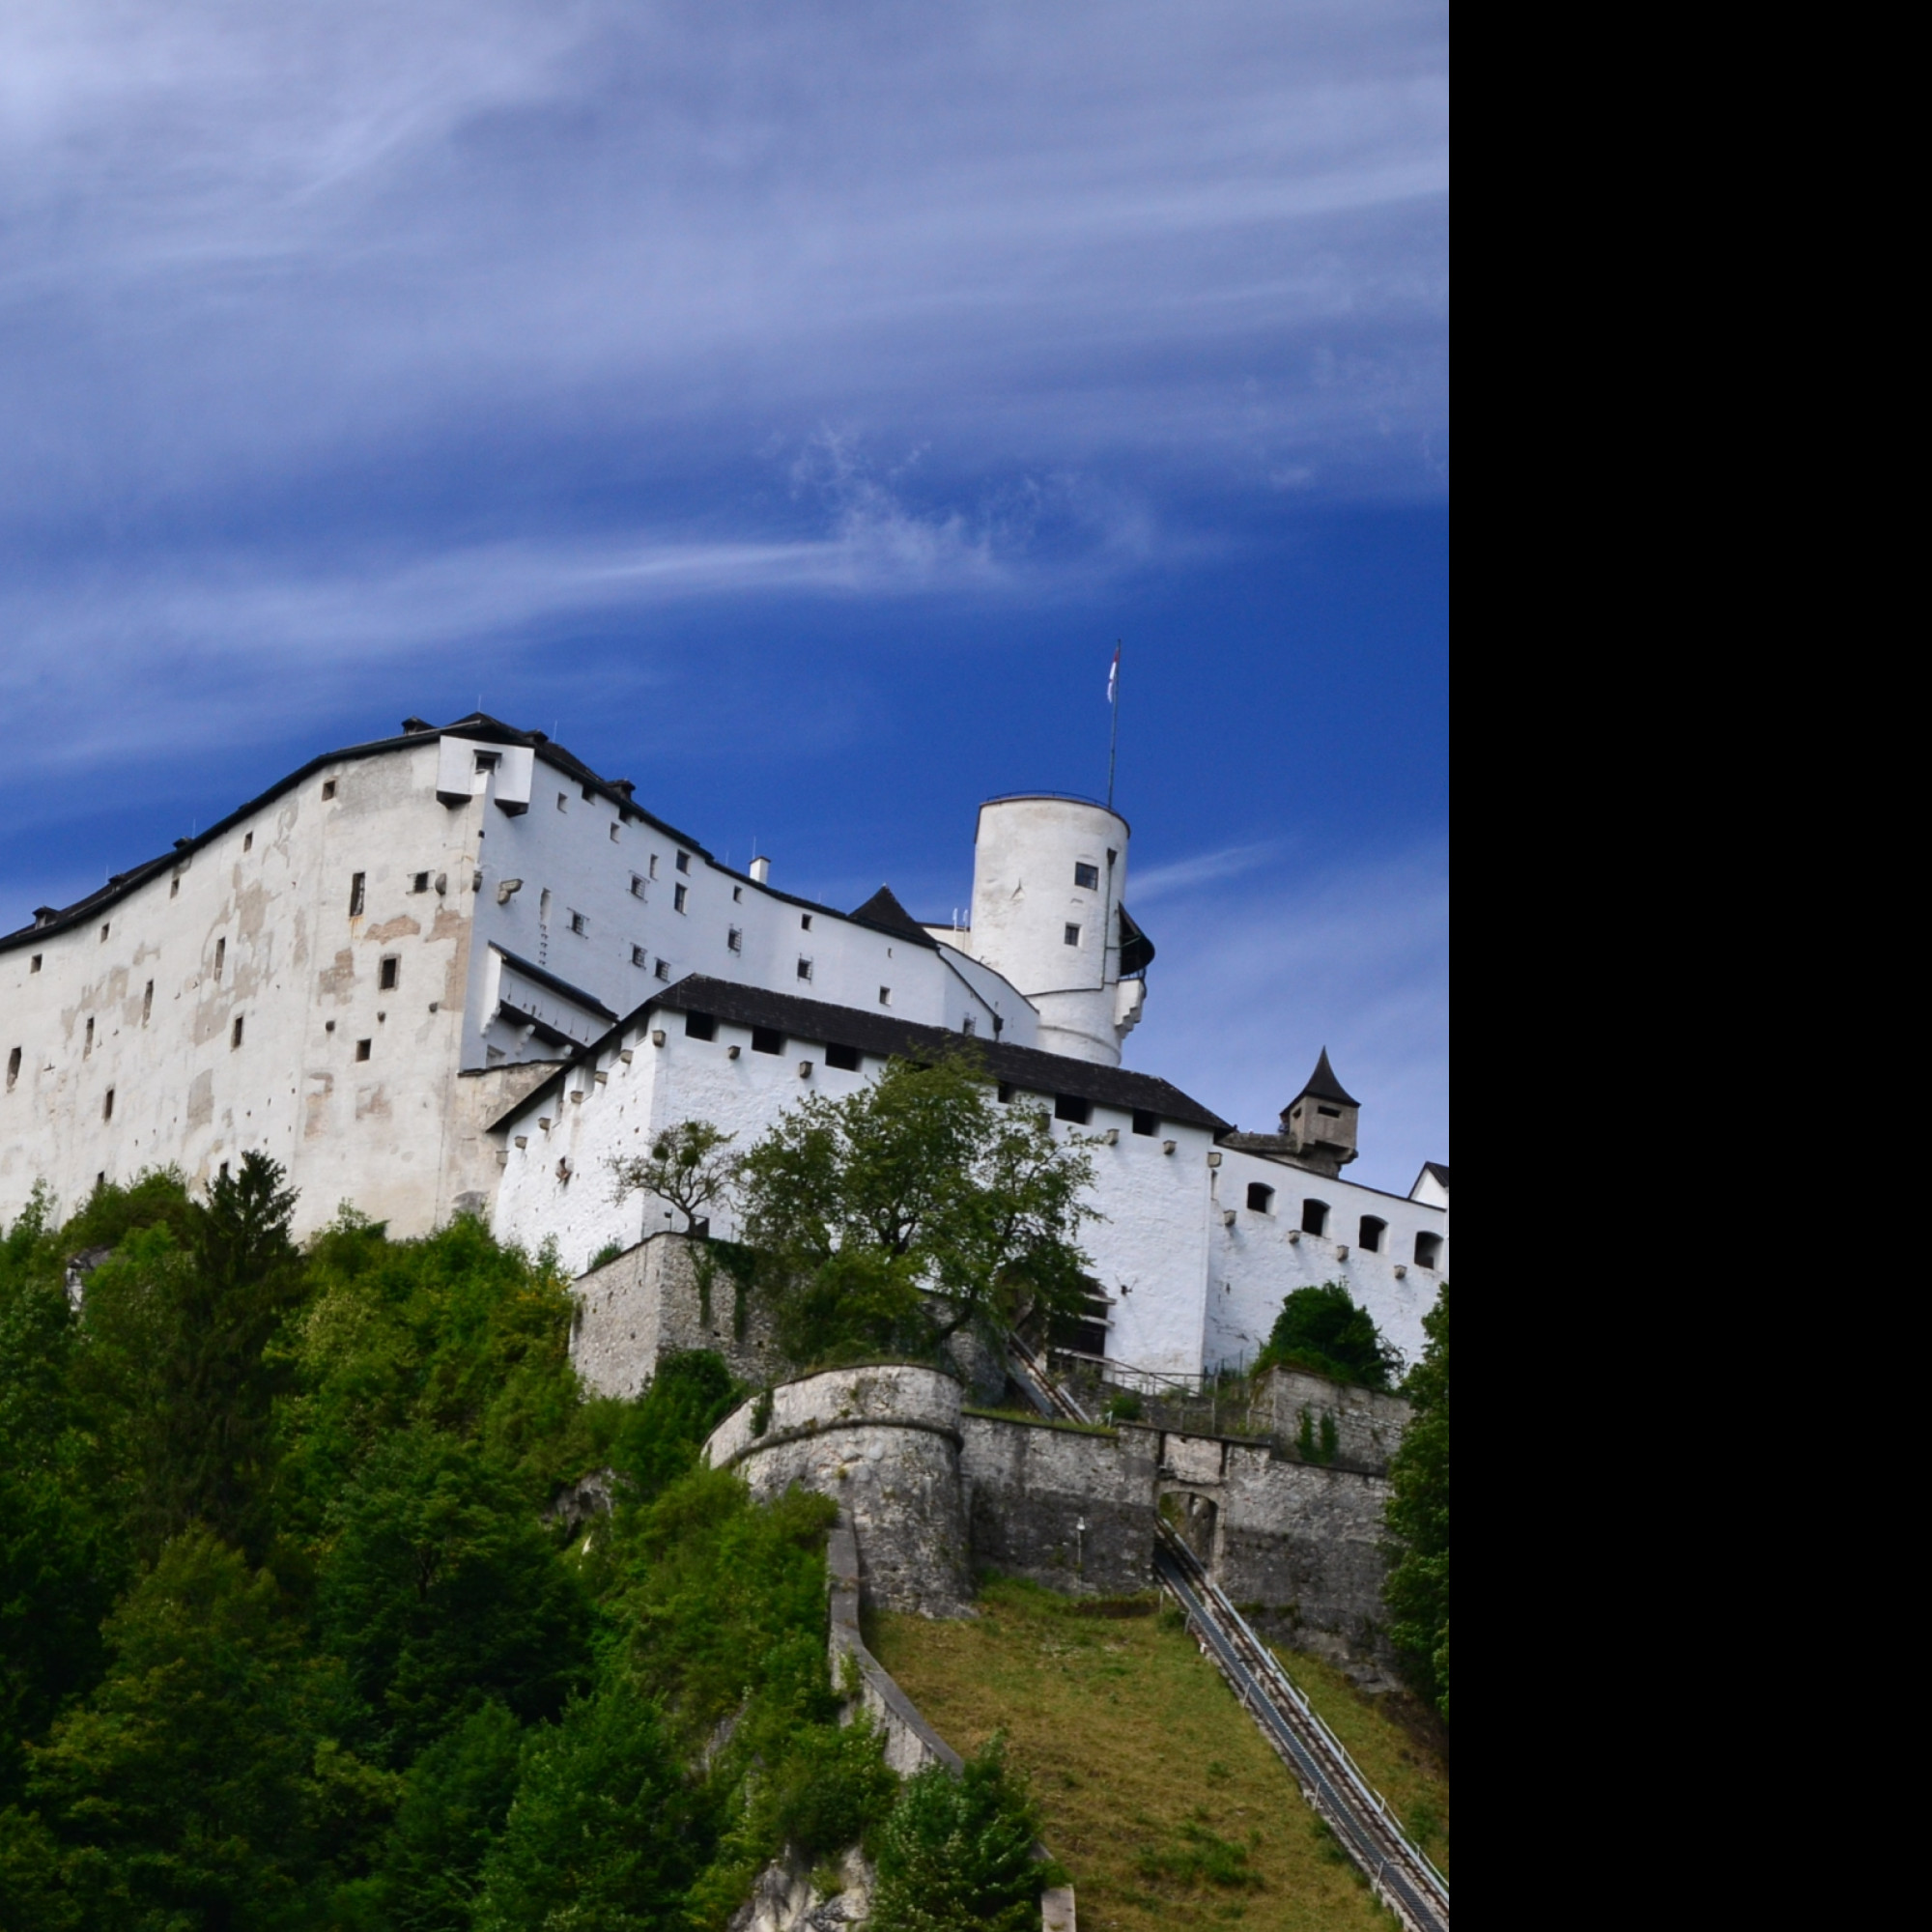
1114, 731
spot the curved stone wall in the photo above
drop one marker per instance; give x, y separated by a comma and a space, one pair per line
883, 1442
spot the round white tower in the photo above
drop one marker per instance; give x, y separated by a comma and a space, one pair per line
1048, 878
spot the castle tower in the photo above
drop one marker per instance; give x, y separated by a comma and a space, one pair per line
1319, 1124
1049, 879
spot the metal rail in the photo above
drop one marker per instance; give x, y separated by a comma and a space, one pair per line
1360, 1817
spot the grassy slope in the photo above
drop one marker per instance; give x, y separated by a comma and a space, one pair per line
1159, 1794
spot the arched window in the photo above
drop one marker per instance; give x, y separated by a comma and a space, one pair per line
1374, 1228
1260, 1197
1315, 1217
1428, 1251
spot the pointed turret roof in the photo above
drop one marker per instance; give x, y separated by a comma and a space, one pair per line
884, 912
1324, 1086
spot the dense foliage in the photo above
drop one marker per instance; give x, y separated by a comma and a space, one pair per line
1417, 1590
1321, 1329
294, 1632
886, 1221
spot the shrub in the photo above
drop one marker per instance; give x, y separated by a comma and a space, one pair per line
1321, 1329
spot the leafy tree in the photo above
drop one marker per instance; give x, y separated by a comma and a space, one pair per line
440, 1589
687, 1166
656, 1437
181, 1325
601, 1834
428, 1871
957, 1853
1417, 1589
1321, 1329
897, 1215
184, 1789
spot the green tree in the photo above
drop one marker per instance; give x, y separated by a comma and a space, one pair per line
181, 1359
602, 1834
184, 1789
440, 1589
688, 1165
898, 1214
1417, 1589
956, 1854
1321, 1329
656, 1437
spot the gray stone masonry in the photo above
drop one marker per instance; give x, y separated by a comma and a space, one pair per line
1030, 1488
1368, 1426
648, 1303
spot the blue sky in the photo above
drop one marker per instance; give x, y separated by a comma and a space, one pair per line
786, 407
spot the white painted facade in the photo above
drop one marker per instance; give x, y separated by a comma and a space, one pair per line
363, 971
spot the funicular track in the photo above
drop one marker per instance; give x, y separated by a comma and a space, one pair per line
1359, 1816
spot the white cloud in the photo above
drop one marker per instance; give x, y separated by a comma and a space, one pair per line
1180, 875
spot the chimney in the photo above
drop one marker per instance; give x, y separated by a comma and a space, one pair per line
762, 870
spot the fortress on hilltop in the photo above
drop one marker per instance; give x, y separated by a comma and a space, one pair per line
456, 971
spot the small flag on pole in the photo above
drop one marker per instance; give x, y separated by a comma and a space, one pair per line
1113, 676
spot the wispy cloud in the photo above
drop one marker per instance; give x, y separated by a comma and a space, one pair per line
1180, 875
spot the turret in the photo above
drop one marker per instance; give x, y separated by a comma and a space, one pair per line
1049, 878
1319, 1124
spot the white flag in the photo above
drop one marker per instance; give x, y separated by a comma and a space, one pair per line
1113, 674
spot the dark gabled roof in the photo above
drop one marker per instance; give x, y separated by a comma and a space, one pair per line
883, 1036
49, 922
1324, 1086
1436, 1168
884, 914
544, 977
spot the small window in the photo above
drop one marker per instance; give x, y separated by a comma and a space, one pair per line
420, 883
1071, 934
104, 931
148, 1003
387, 974
357, 893
1145, 1122
34, 964
738, 895
235, 1033
488, 762
1260, 1197
175, 888
1428, 1251
362, 1049
663, 970
638, 956
805, 922
767, 1039
580, 926
885, 996
543, 907
700, 1026
637, 885
845, 1058
803, 967
613, 832
87, 1039
678, 897
684, 861
220, 955
1329, 1113
107, 1105
1087, 877
12, 1069
248, 842
1005, 1092
734, 939
1070, 1107
654, 864
968, 1025
1374, 1228
1315, 1217
562, 802
329, 787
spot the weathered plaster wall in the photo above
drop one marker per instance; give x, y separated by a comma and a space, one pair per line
1368, 1426
884, 1442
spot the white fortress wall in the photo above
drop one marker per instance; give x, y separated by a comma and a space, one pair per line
1258, 1259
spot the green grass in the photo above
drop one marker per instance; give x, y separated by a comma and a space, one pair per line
1158, 1792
